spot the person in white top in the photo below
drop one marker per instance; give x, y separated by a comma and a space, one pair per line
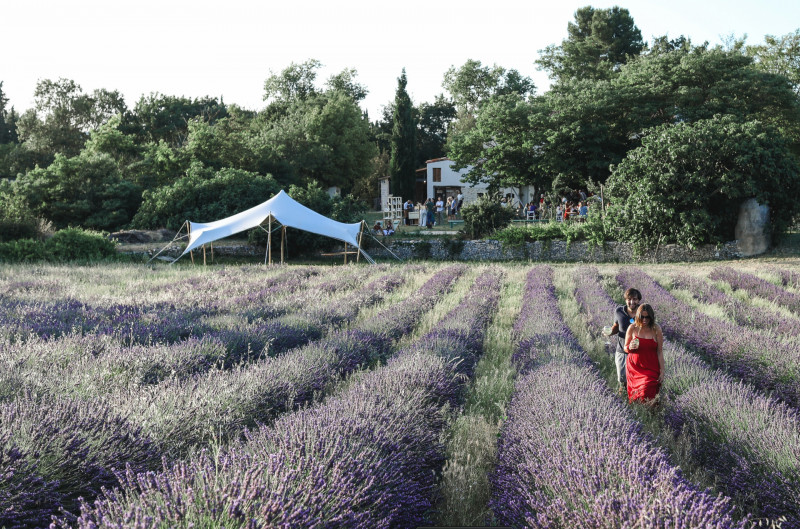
439, 210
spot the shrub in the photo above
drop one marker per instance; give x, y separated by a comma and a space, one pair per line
485, 216
23, 251
75, 244
685, 183
202, 199
17, 221
594, 231
72, 244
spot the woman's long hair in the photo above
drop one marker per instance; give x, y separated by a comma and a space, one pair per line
645, 307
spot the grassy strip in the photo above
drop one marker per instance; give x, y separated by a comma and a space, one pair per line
471, 439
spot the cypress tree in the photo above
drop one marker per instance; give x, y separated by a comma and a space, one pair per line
403, 142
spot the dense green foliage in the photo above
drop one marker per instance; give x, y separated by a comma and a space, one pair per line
593, 230
71, 244
203, 196
611, 91
685, 183
86, 159
485, 216
17, 221
598, 43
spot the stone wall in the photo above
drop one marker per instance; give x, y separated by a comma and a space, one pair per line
610, 252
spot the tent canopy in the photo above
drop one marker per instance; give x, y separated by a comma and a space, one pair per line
285, 210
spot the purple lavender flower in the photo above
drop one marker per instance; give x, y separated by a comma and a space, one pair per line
570, 454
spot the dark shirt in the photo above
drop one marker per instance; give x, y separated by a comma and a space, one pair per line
624, 321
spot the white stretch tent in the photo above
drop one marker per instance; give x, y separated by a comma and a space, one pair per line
282, 208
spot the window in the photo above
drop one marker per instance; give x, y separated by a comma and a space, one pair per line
437, 174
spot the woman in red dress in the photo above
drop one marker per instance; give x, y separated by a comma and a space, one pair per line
644, 343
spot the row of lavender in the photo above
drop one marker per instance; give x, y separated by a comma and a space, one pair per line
366, 457
772, 364
180, 316
748, 441
570, 453
72, 446
98, 363
740, 312
183, 414
759, 287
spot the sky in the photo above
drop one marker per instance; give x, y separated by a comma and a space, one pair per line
228, 48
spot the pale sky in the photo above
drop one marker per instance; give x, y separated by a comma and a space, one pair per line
228, 48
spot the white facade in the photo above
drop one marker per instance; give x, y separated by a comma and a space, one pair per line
444, 181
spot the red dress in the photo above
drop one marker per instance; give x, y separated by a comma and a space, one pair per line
642, 370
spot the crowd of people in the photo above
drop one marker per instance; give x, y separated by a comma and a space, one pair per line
573, 205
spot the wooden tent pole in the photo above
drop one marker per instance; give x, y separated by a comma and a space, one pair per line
212, 251
360, 233
191, 252
269, 240
283, 238
345, 253
204, 255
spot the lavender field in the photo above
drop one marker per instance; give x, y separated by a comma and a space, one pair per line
423, 394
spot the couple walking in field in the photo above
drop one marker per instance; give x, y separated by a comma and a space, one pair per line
639, 355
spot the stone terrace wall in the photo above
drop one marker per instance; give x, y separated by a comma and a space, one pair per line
488, 250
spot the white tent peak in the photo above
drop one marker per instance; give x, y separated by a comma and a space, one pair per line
282, 208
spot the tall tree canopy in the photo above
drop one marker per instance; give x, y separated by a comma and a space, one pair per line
598, 43
781, 56
403, 158
576, 132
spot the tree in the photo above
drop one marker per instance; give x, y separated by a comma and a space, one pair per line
63, 116
473, 83
576, 132
203, 199
403, 158
345, 82
685, 183
8, 126
432, 125
780, 56
159, 117
599, 42
296, 81
84, 190
498, 146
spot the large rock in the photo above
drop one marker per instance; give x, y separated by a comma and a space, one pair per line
752, 229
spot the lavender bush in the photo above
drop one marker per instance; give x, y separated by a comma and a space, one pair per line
570, 455
758, 464
70, 448
757, 287
363, 458
742, 313
772, 365
788, 277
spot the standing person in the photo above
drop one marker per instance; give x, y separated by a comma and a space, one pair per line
408, 207
429, 209
644, 343
439, 210
460, 199
624, 316
449, 208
